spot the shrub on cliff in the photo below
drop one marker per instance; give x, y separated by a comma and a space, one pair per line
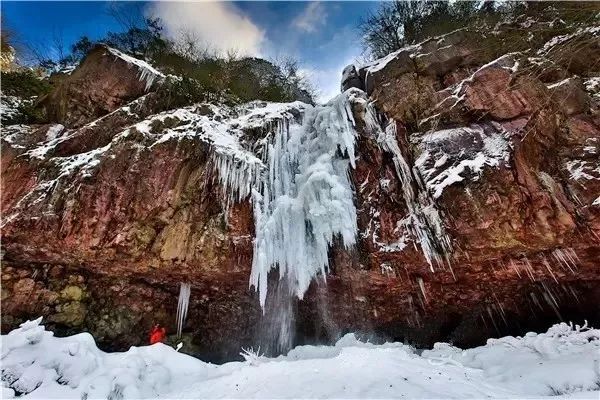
400, 23
20, 90
176, 92
23, 83
204, 74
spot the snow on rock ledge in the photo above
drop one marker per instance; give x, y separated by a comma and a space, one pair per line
147, 72
450, 156
105, 80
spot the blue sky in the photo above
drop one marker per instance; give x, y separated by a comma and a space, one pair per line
321, 35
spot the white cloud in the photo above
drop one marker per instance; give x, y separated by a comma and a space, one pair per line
311, 18
217, 25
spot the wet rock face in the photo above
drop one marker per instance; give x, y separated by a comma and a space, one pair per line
477, 190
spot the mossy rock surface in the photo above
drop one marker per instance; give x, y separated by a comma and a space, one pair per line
74, 293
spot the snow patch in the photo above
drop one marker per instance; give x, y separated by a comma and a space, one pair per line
452, 155
592, 86
147, 72
583, 170
10, 106
559, 40
54, 131
15, 135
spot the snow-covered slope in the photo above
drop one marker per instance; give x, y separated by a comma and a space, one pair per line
565, 361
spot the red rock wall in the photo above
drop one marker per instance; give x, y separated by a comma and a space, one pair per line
105, 251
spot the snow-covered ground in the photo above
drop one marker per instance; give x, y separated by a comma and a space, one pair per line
563, 362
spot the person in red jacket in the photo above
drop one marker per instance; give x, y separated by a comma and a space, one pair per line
157, 334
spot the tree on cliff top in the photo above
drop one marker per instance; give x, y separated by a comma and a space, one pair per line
399, 23
205, 71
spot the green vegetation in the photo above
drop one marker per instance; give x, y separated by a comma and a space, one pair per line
26, 85
23, 83
205, 75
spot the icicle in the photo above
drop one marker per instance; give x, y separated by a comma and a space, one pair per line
536, 301
422, 287
146, 72
528, 268
515, 267
501, 312
574, 294
489, 311
547, 265
236, 177
425, 220
566, 258
552, 303
182, 306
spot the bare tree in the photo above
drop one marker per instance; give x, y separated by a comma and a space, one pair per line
188, 44
398, 23
129, 15
58, 46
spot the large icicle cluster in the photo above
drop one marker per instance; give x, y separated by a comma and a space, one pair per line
306, 197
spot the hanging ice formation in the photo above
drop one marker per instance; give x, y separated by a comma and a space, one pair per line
425, 220
306, 197
147, 73
303, 196
182, 306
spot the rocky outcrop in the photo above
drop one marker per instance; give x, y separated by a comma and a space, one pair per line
491, 155
104, 81
477, 195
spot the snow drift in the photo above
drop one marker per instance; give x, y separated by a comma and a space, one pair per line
563, 361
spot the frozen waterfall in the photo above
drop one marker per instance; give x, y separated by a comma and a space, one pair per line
425, 221
298, 180
305, 197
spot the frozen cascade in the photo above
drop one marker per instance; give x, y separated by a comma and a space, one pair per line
276, 331
425, 220
302, 198
306, 197
182, 306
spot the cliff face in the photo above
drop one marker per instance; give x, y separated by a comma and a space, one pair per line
477, 189
500, 159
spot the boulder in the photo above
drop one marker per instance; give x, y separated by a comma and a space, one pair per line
570, 96
351, 79
105, 80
